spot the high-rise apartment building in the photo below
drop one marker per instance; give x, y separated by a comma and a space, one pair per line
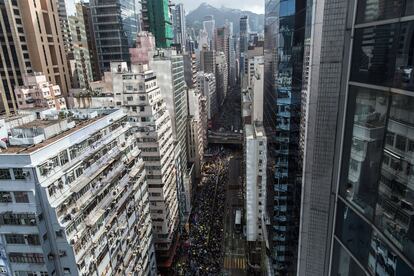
115, 26
169, 67
206, 84
284, 40
136, 90
45, 41
14, 54
74, 196
190, 69
222, 78
73, 27
180, 29
157, 19
197, 129
357, 204
37, 92
207, 60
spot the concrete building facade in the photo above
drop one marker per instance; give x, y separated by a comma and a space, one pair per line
45, 41
75, 197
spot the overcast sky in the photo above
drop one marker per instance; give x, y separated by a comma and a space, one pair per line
256, 6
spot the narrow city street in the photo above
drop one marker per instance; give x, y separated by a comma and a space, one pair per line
214, 244
234, 246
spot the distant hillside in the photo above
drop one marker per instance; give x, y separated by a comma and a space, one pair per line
195, 18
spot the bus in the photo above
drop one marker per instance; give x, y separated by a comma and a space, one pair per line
237, 222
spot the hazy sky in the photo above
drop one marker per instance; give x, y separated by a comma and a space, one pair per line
256, 6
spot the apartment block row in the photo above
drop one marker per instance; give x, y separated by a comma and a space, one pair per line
74, 195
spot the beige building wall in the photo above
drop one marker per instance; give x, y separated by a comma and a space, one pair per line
14, 55
45, 42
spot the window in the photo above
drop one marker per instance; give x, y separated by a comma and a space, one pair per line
369, 64
401, 141
5, 197
59, 233
18, 173
374, 10
389, 139
21, 197
15, 239
63, 157
26, 257
33, 239
5, 174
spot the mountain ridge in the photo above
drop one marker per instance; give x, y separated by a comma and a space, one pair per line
195, 17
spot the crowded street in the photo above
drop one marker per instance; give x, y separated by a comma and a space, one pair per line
201, 251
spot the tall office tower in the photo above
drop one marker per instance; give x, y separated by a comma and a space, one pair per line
209, 25
208, 60
90, 35
244, 40
284, 39
206, 84
37, 92
202, 39
221, 77
180, 32
45, 41
115, 26
74, 196
75, 40
357, 181
157, 19
170, 77
14, 54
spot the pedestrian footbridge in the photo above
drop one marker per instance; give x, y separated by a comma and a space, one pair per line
225, 138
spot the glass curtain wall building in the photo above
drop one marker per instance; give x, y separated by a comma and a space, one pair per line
284, 41
115, 25
374, 231
362, 202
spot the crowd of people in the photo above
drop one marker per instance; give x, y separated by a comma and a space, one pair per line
202, 253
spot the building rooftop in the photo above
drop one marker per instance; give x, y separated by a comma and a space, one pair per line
25, 149
46, 128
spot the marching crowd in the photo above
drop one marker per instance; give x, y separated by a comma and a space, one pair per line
203, 253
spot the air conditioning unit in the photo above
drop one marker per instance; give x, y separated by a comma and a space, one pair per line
26, 175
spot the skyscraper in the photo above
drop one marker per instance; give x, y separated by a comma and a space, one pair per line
15, 53
243, 41
207, 60
73, 26
45, 41
115, 25
209, 25
180, 32
357, 206
157, 19
284, 39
